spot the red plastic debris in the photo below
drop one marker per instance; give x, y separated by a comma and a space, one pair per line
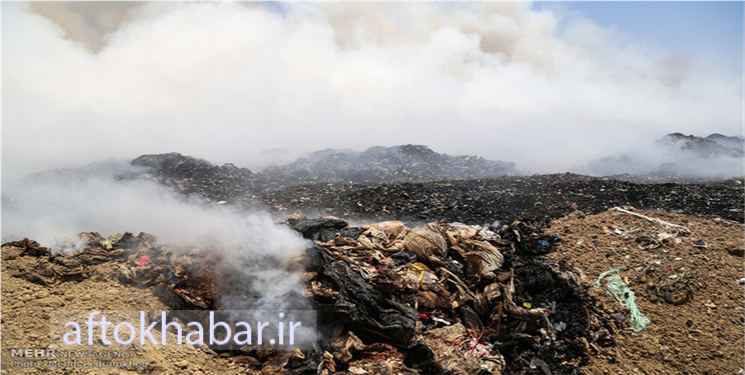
425, 315
143, 260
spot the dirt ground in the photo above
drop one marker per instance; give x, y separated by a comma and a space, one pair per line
703, 335
26, 309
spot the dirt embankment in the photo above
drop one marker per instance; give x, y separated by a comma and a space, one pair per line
26, 309
687, 285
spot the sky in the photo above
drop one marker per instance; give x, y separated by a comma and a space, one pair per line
548, 85
711, 30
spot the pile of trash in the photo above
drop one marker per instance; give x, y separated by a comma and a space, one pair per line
442, 298
346, 185
535, 199
351, 190
186, 279
712, 146
193, 176
405, 163
446, 298
677, 158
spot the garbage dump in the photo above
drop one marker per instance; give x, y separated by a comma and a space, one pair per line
414, 187
133, 260
454, 298
451, 298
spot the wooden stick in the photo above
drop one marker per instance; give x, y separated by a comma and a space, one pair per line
654, 220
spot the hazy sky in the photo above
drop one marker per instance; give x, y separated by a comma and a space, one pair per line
546, 85
712, 31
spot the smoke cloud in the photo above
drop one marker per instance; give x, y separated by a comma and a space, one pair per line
226, 81
113, 197
652, 158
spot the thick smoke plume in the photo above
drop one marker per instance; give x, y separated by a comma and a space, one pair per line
675, 155
113, 197
226, 81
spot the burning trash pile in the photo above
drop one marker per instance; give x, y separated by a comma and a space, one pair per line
131, 260
446, 298
451, 298
443, 298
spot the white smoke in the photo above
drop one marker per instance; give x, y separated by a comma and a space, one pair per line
225, 81
112, 197
652, 158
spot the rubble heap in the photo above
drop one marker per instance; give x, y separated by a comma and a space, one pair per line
675, 158
712, 146
536, 199
405, 163
475, 200
447, 297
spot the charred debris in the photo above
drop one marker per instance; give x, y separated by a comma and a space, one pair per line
425, 196
440, 298
435, 298
450, 298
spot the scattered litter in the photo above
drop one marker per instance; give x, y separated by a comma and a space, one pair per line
143, 260
647, 243
443, 321
111, 241
700, 244
445, 297
654, 220
549, 242
662, 283
537, 363
619, 316
616, 288
560, 326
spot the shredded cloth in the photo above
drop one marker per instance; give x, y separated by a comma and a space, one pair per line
620, 291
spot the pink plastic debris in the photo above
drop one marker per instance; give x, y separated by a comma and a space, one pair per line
143, 260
